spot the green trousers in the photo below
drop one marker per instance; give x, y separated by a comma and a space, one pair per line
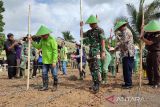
104, 67
136, 66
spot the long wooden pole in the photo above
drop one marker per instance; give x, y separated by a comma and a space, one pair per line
29, 45
141, 51
81, 32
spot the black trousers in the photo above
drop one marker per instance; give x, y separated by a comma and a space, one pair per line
11, 60
35, 67
127, 70
153, 67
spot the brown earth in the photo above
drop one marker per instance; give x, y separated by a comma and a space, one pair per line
75, 93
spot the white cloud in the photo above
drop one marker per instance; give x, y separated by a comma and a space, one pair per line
61, 15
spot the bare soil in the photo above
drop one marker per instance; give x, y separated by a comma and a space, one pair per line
72, 92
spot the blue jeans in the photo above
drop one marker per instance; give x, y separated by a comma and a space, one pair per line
127, 70
64, 68
45, 70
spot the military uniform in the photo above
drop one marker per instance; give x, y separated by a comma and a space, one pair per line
95, 36
24, 57
96, 41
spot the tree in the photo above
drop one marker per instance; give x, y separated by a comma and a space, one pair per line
67, 36
151, 11
2, 39
1, 16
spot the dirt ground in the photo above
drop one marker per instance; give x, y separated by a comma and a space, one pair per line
75, 93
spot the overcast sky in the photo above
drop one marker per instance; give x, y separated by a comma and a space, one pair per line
61, 15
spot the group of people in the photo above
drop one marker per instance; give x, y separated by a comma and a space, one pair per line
100, 56
17, 57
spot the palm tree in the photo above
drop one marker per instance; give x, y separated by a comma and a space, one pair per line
141, 17
2, 40
151, 12
67, 36
2, 9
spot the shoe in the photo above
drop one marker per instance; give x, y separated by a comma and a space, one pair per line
33, 76
126, 86
104, 82
55, 83
16, 77
95, 87
151, 84
80, 78
155, 86
43, 89
55, 86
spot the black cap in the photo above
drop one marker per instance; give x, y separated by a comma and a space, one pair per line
9, 35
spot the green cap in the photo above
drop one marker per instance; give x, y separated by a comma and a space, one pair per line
92, 19
43, 31
119, 24
152, 26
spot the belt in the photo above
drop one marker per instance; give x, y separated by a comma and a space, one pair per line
153, 51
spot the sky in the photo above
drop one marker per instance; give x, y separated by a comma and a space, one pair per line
61, 15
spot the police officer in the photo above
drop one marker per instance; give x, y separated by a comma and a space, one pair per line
96, 41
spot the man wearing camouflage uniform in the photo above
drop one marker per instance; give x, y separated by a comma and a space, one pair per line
24, 56
96, 41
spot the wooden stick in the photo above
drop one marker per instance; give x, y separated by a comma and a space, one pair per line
141, 51
81, 33
29, 45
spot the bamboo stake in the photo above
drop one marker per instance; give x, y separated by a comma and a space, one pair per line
141, 51
110, 39
81, 33
29, 45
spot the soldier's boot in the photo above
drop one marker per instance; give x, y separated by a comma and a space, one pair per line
105, 78
45, 85
96, 86
102, 75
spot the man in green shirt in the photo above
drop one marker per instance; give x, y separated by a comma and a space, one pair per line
63, 58
48, 45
